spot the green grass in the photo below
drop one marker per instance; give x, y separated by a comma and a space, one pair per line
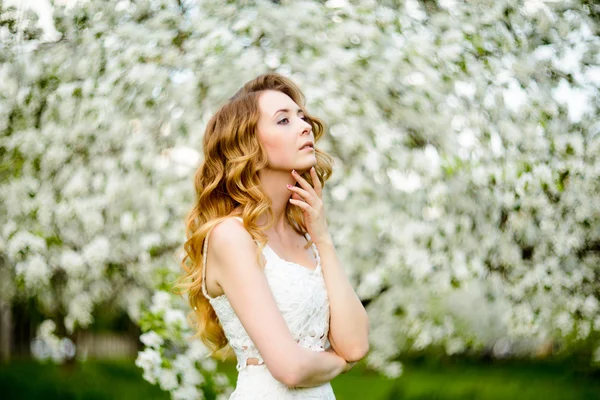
422, 380
432, 379
27, 379
467, 380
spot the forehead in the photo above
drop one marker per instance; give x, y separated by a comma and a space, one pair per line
272, 100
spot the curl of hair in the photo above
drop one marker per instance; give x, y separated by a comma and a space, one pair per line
227, 180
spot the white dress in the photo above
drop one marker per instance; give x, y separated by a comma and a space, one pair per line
301, 297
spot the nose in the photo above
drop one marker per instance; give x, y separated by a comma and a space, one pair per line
307, 129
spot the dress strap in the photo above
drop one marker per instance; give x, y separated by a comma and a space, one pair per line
204, 251
314, 250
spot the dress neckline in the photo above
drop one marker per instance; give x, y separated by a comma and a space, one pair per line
313, 247
310, 270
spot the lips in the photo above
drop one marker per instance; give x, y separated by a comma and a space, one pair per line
307, 144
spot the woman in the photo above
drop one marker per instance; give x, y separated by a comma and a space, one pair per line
268, 282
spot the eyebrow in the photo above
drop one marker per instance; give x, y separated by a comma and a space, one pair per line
286, 110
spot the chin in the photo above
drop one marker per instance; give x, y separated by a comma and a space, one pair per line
306, 167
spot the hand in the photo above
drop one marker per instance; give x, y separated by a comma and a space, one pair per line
347, 365
310, 200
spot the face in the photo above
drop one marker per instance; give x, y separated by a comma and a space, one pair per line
283, 130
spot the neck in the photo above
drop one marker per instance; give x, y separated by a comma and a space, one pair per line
274, 184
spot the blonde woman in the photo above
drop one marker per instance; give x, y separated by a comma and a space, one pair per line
268, 283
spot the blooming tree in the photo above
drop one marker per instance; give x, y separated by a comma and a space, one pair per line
466, 133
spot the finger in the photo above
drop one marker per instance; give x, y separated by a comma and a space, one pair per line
297, 197
303, 182
305, 206
301, 193
316, 182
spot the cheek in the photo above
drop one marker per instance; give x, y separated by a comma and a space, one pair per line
279, 152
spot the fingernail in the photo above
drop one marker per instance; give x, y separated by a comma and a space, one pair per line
293, 171
289, 186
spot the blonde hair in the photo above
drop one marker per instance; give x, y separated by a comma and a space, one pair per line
228, 179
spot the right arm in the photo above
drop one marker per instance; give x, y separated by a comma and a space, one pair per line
317, 378
247, 289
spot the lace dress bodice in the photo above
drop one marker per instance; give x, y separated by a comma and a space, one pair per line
301, 296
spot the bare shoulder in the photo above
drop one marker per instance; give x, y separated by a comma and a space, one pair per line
227, 231
230, 241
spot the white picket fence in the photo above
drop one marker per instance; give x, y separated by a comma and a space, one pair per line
105, 345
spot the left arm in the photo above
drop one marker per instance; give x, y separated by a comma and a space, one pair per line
349, 324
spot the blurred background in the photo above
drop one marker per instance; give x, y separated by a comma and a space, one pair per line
464, 201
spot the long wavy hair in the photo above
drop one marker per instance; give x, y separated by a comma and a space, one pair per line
226, 180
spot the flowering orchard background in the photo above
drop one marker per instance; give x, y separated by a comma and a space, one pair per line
466, 137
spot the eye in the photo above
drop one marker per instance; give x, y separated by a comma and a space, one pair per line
305, 118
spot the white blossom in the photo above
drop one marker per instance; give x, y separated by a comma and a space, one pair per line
186, 393
175, 317
34, 270
149, 360
463, 140
151, 339
161, 301
167, 379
